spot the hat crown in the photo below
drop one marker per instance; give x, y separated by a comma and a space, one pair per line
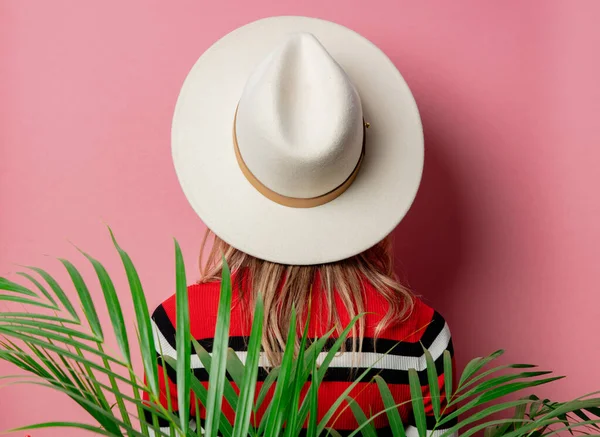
299, 124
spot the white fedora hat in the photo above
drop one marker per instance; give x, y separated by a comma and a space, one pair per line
271, 148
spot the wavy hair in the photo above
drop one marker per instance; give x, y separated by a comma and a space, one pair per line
286, 287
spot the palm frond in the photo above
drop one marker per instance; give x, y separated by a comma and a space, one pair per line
216, 380
62, 343
247, 383
144, 326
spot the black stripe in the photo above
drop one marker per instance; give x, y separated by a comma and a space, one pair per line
164, 325
338, 374
432, 331
162, 422
382, 345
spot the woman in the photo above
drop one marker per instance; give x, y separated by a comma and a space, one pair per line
397, 324
300, 203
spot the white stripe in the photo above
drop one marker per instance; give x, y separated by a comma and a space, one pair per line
346, 359
165, 430
411, 431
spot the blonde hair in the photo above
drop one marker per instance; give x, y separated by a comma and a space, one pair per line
286, 287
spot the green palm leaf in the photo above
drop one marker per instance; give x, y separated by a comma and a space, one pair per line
247, 385
114, 307
85, 297
394, 419
120, 330
496, 393
183, 341
483, 375
67, 353
89, 398
111, 423
8, 285
498, 381
434, 388
266, 386
31, 333
335, 348
448, 374
336, 404
477, 364
77, 425
147, 346
279, 403
24, 300
313, 402
235, 367
551, 416
480, 415
368, 430
573, 426
228, 392
16, 316
375, 416
58, 291
494, 427
201, 394
417, 402
37, 327
114, 391
296, 386
40, 287
216, 382
313, 351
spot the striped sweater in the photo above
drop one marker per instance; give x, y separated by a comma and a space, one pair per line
397, 349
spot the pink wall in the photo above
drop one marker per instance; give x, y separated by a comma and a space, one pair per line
503, 239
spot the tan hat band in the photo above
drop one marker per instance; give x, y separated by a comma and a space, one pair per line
295, 202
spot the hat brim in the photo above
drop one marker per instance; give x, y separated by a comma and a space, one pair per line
211, 179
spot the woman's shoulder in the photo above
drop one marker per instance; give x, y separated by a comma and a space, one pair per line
203, 299
201, 296
421, 323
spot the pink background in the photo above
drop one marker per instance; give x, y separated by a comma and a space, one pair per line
503, 239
